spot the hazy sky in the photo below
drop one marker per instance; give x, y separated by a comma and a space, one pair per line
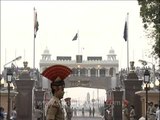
100, 25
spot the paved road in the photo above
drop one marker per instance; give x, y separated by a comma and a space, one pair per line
87, 118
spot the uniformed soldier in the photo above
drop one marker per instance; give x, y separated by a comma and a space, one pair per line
132, 113
125, 111
68, 108
152, 111
56, 74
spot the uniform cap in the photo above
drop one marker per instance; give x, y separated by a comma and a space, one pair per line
67, 99
56, 73
125, 102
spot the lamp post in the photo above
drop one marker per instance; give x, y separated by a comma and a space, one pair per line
157, 83
146, 81
17, 58
9, 80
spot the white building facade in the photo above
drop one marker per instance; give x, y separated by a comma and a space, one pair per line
95, 72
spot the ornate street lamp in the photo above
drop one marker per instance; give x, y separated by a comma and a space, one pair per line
147, 82
157, 83
17, 58
9, 80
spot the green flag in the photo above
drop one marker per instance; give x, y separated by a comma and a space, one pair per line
75, 37
125, 34
36, 24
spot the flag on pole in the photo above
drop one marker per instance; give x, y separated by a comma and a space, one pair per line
125, 34
36, 24
75, 37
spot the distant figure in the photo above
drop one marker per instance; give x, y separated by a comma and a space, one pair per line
132, 114
93, 111
68, 108
14, 114
158, 113
125, 112
152, 111
1, 113
90, 111
38, 113
108, 113
82, 111
75, 111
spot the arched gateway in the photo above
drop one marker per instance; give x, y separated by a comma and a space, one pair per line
95, 72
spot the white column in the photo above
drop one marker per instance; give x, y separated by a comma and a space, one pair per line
98, 73
89, 72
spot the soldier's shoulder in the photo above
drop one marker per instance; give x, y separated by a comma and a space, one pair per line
53, 102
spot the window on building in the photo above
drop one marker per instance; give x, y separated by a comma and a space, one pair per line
93, 72
83, 72
102, 72
75, 72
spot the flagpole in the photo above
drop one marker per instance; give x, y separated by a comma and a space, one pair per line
127, 44
36, 27
0, 57
34, 40
33, 51
78, 42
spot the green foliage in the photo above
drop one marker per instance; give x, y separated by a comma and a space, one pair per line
150, 13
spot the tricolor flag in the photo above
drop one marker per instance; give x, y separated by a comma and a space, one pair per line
125, 34
75, 37
36, 24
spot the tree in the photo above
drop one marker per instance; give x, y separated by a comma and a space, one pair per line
150, 13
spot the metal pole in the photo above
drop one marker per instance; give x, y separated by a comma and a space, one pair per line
0, 58
146, 102
127, 43
159, 83
8, 113
159, 93
78, 42
34, 52
17, 58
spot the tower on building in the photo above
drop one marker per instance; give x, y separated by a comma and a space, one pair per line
111, 56
46, 55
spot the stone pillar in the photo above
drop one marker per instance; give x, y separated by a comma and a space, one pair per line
117, 104
132, 84
24, 97
39, 100
89, 72
98, 74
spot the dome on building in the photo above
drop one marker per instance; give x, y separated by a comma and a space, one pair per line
111, 51
111, 55
46, 55
46, 51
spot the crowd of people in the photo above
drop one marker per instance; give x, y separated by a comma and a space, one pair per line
54, 109
128, 114
3, 115
153, 112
